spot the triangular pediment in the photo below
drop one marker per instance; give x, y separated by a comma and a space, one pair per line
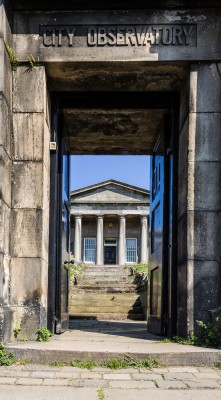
110, 192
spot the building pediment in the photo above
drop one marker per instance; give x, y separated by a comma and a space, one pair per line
110, 192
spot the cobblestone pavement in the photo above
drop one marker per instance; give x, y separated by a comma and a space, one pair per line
43, 382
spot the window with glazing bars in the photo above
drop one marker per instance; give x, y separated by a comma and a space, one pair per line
131, 250
90, 250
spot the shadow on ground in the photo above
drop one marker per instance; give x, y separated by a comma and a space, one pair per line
135, 330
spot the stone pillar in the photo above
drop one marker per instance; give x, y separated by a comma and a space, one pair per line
144, 239
199, 212
100, 240
77, 238
122, 240
6, 149
29, 244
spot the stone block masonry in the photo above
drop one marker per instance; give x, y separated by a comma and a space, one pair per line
5, 174
30, 200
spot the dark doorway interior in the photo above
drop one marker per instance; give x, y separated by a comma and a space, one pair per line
110, 255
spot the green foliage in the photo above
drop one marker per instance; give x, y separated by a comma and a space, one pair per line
33, 62
13, 59
129, 362
126, 362
23, 339
22, 361
43, 334
100, 394
191, 339
140, 268
209, 335
218, 365
140, 273
87, 364
5, 359
75, 270
16, 331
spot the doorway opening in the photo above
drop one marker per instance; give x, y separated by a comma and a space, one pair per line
110, 251
132, 124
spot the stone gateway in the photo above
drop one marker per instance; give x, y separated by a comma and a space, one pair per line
117, 78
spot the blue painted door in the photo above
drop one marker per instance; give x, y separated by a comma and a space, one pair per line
62, 322
156, 273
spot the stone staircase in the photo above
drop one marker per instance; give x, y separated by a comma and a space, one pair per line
105, 293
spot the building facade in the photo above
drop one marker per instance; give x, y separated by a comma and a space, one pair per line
109, 224
92, 77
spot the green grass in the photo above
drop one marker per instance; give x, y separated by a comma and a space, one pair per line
100, 394
88, 364
114, 364
140, 267
5, 358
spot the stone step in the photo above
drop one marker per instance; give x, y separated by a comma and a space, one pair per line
109, 316
107, 289
105, 273
124, 308
92, 297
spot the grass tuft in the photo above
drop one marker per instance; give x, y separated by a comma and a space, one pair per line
129, 362
100, 394
5, 358
126, 362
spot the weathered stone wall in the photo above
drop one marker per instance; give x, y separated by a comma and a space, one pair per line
30, 199
5, 171
199, 206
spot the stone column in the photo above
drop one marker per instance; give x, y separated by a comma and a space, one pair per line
144, 239
199, 195
122, 240
77, 237
29, 244
6, 150
100, 240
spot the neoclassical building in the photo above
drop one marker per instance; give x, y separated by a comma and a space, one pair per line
109, 224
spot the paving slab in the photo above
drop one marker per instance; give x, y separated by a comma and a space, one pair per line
102, 340
48, 393
149, 394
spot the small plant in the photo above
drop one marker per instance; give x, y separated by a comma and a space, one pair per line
87, 364
76, 270
140, 273
23, 339
190, 340
100, 394
16, 331
209, 335
83, 364
218, 365
33, 62
43, 334
5, 359
129, 362
22, 361
13, 59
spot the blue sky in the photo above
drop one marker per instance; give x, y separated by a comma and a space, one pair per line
87, 170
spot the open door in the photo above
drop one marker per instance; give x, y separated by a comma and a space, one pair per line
59, 229
156, 274
62, 322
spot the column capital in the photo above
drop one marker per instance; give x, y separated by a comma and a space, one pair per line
100, 216
78, 216
143, 217
121, 216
